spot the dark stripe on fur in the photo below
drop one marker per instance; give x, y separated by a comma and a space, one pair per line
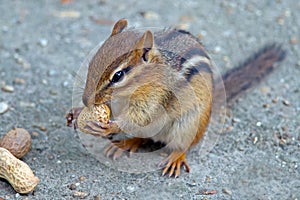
201, 67
191, 53
183, 32
170, 36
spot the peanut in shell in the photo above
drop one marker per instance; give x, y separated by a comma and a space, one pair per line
99, 113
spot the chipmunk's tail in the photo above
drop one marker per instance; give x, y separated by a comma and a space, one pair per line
251, 72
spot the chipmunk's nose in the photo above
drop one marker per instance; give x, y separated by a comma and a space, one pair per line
88, 100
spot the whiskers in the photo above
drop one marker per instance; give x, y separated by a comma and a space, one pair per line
77, 87
79, 80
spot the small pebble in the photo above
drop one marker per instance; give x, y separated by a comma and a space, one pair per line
228, 129
67, 14
282, 141
19, 81
193, 184
150, 15
183, 26
207, 179
22, 61
275, 100
35, 134
294, 40
42, 128
236, 120
44, 81
203, 32
200, 36
72, 186
209, 192
43, 42
227, 191
97, 197
52, 72
65, 1
286, 102
266, 105
258, 124
65, 84
27, 104
81, 178
186, 18
3, 107
284, 128
227, 61
8, 88
255, 139
280, 20
217, 49
240, 148
130, 188
102, 21
51, 157
26, 65
166, 155
18, 59
53, 92
287, 13
80, 194
265, 90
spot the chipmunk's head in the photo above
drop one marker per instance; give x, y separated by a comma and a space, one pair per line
120, 64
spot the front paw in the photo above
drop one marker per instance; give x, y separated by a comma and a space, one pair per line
100, 128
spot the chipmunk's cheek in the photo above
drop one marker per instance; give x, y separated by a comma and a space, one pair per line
118, 107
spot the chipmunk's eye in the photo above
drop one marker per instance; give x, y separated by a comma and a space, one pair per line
118, 76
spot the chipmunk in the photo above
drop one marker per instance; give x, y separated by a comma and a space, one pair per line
159, 86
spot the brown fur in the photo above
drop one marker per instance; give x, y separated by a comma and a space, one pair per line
168, 92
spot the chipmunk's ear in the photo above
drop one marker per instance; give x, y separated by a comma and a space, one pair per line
144, 45
146, 41
119, 26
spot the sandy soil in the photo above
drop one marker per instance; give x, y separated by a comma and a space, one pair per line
42, 43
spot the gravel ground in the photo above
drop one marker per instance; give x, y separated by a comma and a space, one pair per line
42, 43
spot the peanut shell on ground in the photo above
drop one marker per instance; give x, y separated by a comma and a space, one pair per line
17, 141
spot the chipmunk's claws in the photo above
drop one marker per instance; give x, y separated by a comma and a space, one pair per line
173, 164
116, 148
